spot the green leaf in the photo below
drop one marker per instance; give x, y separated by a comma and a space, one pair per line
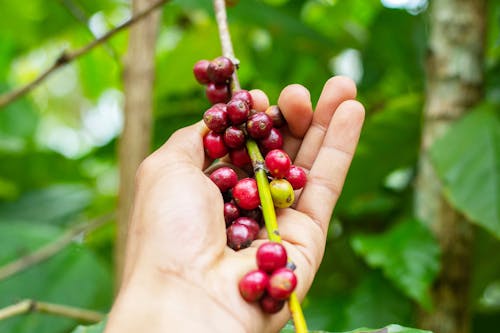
53, 204
75, 276
467, 160
407, 254
97, 328
388, 329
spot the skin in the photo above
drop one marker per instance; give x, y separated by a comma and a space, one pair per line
179, 275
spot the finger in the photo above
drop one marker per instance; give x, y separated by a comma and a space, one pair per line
335, 91
327, 175
260, 100
184, 145
295, 104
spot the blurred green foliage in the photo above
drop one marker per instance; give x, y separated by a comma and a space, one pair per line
58, 147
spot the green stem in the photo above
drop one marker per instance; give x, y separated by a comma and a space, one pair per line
271, 223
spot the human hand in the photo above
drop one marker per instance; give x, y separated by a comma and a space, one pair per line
179, 274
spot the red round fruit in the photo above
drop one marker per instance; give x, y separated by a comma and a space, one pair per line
276, 116
253, 285
237, 111
245, 96
234, 137
200, 71
240, 157
282, 283
273, 141
271, 305
250, 223
225, 178
278, 163
214, 145
238, 236
246, 194
297, 177
231, 213
216, 118
220, 69
271, 256
217, 93
259, 125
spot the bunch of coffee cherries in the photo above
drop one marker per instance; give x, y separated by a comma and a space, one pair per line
232, 121
272, 283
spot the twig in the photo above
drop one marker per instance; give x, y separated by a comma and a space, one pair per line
29, 305
79, 14
67, 57
49, 250
225, 38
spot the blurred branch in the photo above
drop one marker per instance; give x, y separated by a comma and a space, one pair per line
29, 305
67, 57
81, 16
49, 250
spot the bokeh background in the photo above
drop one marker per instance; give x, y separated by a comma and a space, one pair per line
59, 165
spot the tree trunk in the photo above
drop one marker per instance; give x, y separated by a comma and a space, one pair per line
454, 84
135, 140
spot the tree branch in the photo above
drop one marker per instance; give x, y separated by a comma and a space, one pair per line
225, 38
29, 305
49, 250
67, 57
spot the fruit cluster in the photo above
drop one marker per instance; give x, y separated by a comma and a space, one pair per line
272, 282
232, 121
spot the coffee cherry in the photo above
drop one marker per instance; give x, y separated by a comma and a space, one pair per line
237, 111
234, 137
251, 224
214, 145
240, 157
271, 305
238, 236
225, 178
282, 193
216, 118
259, 125
217, 93
273, 141
296, 177
200, 71
282, 283
231, 213
253, 285
271, 256
276, 116
245, 96
246, 194
220, 70
278, 163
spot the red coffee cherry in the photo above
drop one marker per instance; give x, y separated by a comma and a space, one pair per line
239, 157
259, 125
253, 285
231, 213
297, 177
276, 116
271, 305
200, 71
251, 224
245, 96
273, 141
216, 118
282, 283
238, 236
220, 70
238, 111
214, 145
225, 178
246, 194
234, 137
271, 256
278, 163
217, 93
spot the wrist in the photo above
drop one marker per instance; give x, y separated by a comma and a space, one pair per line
173, 305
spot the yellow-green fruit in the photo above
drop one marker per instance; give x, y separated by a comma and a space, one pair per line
282, 193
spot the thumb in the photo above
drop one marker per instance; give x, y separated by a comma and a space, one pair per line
184, 145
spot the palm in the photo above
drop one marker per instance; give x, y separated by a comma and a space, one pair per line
178, 220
